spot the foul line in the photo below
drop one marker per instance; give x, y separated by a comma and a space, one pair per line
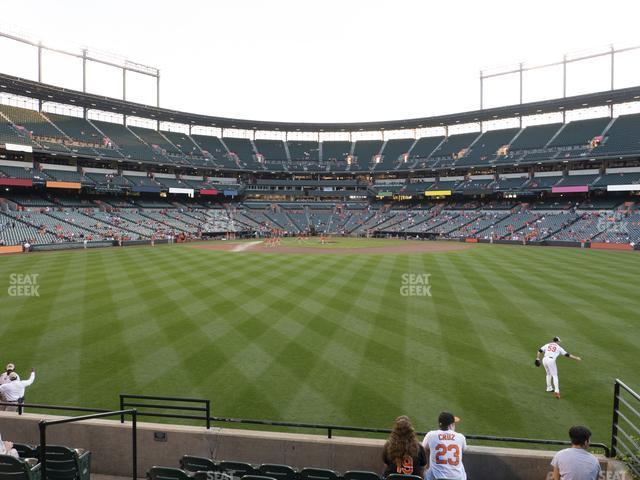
244, 246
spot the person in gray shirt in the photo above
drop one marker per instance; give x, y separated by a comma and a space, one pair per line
576, 463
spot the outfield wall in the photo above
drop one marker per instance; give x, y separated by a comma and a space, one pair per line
110, 444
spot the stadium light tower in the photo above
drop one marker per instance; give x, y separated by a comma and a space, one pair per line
567, 59
86, 56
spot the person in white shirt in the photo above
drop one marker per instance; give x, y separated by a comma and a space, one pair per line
551, 352
576, 463
6, 448
444, 448
4, 378
13, 392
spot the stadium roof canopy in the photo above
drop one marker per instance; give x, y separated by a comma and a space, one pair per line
50, 93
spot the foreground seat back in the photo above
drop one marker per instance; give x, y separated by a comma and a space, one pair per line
279, 472
257, 477
166, 473
360, 475
399, 476
192, 463
25, 451
64, 463
318, 474
237, 469
12, 468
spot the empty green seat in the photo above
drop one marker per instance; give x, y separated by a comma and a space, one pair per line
257, 477
12, 468
192, 463
237, 469
64, 463
25, 451
206, 475
399, 476
167, 473
279, 472
360, 475
317, 474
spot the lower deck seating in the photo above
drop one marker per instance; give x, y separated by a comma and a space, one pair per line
47, 219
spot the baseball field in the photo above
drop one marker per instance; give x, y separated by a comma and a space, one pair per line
356, 337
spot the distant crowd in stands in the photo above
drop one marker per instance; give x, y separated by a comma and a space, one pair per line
440, 455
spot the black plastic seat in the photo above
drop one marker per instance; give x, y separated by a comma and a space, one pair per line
64, 463
318, 474
167, 473
279, 472
191, 463
237, 469
360, 475
25, 451
400, 476
12, 468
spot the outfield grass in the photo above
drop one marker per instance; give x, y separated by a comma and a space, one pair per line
329, 338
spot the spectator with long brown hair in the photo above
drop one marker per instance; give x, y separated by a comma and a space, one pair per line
403, 454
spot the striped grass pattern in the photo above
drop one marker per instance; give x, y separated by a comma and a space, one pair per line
329, 338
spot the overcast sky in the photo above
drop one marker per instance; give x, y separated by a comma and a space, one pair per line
326, 60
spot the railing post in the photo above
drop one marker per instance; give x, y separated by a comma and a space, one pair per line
208, 403
121, 408
614, 422
42, 425
134, 447
329, 432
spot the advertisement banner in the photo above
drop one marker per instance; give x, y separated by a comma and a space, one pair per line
632, 187
16, 182
73, 185
574, 189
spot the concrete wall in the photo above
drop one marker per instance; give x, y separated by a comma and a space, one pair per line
110, 444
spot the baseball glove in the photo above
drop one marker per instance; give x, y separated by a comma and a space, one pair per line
538, 363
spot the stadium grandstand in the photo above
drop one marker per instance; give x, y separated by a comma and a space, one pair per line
589, 167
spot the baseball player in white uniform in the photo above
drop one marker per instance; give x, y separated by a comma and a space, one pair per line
551, 351
444, 448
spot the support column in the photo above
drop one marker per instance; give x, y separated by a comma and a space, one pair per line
481, 89
124, 84
564, 76
520, 83
613, 53
39, 71
84, 78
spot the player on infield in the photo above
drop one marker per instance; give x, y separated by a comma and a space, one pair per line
551, 351
444, 448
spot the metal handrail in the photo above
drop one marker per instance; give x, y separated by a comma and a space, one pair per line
302, 425
615, 422
331, 428
43, 424
205, 408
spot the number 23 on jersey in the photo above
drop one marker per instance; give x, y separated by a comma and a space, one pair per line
447, 454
